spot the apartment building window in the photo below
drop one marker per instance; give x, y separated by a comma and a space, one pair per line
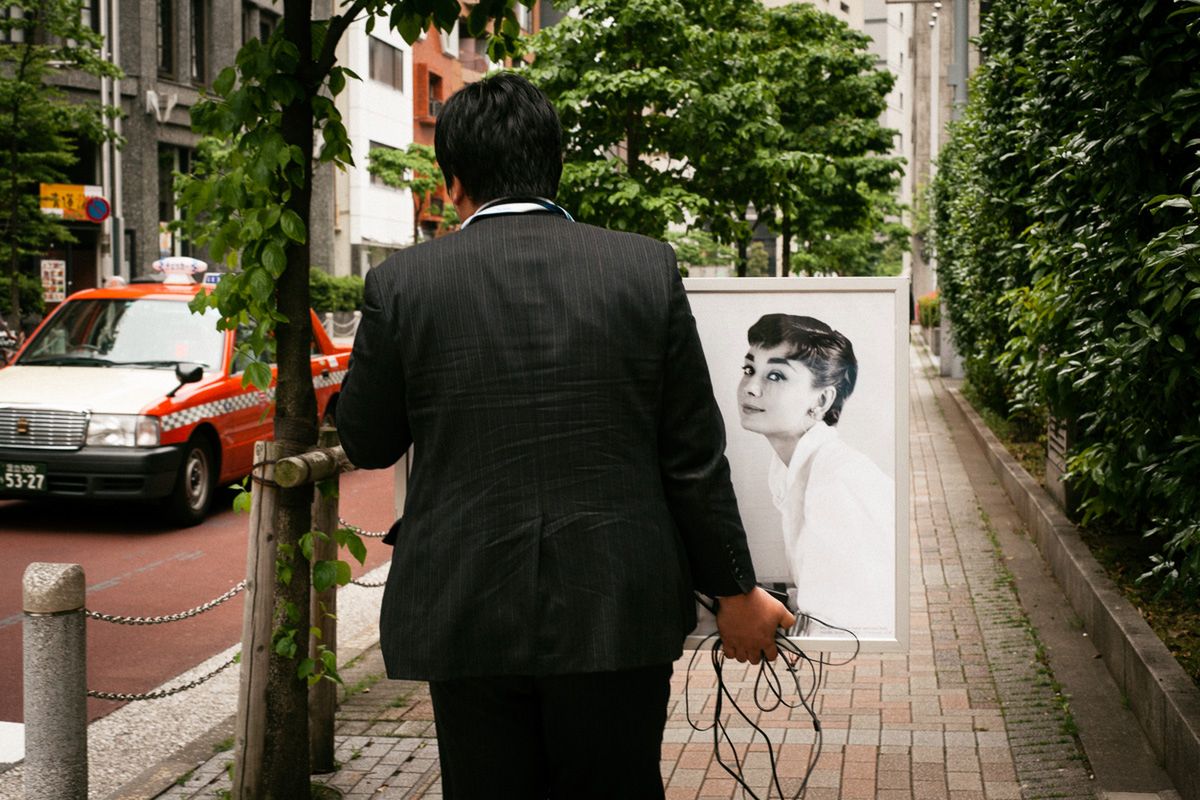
387, 64
15, 35
257, 23
90, 14
166, 37
435, 95
524, 17
845, 7
199, 41
171, 159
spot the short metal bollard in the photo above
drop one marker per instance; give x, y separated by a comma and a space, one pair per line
55, 664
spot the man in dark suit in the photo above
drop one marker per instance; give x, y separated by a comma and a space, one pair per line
569, 488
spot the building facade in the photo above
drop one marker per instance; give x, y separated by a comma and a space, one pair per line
171, 50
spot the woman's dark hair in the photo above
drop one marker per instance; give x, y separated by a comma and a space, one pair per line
501, 138
828, 354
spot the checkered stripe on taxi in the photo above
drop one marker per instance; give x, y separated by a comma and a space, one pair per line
332, 379
227, 405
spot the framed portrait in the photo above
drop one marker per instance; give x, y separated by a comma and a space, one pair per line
811, 375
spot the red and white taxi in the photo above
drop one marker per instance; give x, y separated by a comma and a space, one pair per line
124, 393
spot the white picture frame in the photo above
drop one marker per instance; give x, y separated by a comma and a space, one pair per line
873, 313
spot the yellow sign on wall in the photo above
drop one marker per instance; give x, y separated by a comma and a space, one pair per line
67, 200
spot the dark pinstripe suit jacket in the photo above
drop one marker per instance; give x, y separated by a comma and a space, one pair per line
569, 486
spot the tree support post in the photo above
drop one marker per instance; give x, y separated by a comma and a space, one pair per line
257, 625
55, 697
322, 696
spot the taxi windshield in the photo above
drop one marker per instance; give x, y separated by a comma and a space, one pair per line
127, 333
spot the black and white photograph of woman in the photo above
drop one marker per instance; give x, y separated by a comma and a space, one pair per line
811, 376
837, 506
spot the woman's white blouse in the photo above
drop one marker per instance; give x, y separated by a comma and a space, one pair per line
838, 512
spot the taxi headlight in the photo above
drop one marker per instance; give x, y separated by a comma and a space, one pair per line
123, 430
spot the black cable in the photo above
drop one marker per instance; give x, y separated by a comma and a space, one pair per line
771, 691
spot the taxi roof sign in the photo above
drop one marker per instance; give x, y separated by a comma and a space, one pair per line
179, 269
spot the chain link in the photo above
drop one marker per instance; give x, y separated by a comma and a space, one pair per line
360, 531
370, 584
119, 696
119, 620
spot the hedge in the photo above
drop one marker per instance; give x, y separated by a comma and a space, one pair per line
1066, 218
329, 293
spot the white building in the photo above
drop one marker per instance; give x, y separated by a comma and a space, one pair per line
371, 219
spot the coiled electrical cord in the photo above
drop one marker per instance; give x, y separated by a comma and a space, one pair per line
771, 690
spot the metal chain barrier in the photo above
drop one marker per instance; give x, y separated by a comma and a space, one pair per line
360, 531
211, 604
369, 534
119, 696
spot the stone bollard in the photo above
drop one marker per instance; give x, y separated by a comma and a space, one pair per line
55, 663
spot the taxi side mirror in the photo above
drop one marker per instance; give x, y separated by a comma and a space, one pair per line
186, 373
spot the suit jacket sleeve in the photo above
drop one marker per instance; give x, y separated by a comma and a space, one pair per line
372, 415
695, 472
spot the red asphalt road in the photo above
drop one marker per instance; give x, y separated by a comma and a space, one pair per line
135, 567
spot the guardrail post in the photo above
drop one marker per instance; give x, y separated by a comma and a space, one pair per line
257, 621
322, 696
55, 664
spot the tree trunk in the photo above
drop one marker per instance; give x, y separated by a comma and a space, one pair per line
787, 244
286, 759
743, 250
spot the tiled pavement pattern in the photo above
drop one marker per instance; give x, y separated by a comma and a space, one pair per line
967, 714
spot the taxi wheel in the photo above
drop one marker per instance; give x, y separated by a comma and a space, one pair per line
189, 501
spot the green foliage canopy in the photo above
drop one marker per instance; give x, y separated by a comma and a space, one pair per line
698, 110
1066, 220
414, 168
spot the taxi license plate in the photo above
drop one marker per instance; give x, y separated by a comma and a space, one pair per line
28, 477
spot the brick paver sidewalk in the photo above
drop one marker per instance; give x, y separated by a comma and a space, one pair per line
969, 713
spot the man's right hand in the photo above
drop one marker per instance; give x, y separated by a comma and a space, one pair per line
748, 622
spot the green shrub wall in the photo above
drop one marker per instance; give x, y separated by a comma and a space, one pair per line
329, 293
1066, 211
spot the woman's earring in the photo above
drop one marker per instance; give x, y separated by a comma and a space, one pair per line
812, 412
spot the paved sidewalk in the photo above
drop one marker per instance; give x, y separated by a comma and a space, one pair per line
969, 713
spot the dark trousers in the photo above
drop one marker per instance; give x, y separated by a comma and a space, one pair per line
566, 737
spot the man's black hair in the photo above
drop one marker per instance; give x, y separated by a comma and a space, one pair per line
501, 138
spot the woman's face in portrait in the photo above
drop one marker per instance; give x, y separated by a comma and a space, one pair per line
776, 394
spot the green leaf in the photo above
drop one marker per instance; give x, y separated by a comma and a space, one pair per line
324, 575
261, 286
241, 501
343, 573
409, 26
224, 81
258, 375
337, 81
1177, 342
292, 225
274, 258
356, 547
285, 647
306, 545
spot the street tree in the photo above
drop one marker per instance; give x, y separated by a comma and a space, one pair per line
39, 126
712, 112
616, 71
836, 183
413, 168
251, 207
